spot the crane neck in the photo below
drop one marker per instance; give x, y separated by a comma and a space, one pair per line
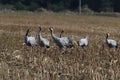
53, 35
61, 34
26, 36
40, 34
25, 39
107, 39
27, 33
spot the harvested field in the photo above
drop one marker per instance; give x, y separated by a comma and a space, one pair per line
95, 62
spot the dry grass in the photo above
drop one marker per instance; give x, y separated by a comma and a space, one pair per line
96, 62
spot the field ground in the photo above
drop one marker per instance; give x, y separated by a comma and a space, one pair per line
95, 62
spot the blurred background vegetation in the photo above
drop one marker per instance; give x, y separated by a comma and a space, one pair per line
61, 5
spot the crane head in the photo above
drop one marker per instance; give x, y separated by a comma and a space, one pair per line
107, 35
62, 31
51, 29
40, 28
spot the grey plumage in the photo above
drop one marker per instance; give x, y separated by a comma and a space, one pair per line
60, 42
110, 42
83, 42
70, 40
43, 42
29, 40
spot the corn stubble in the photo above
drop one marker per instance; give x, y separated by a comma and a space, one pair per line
95, 62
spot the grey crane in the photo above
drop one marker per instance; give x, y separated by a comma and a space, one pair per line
110, 42
29, 40
43, 42
70, 40
83, 42
60, 42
